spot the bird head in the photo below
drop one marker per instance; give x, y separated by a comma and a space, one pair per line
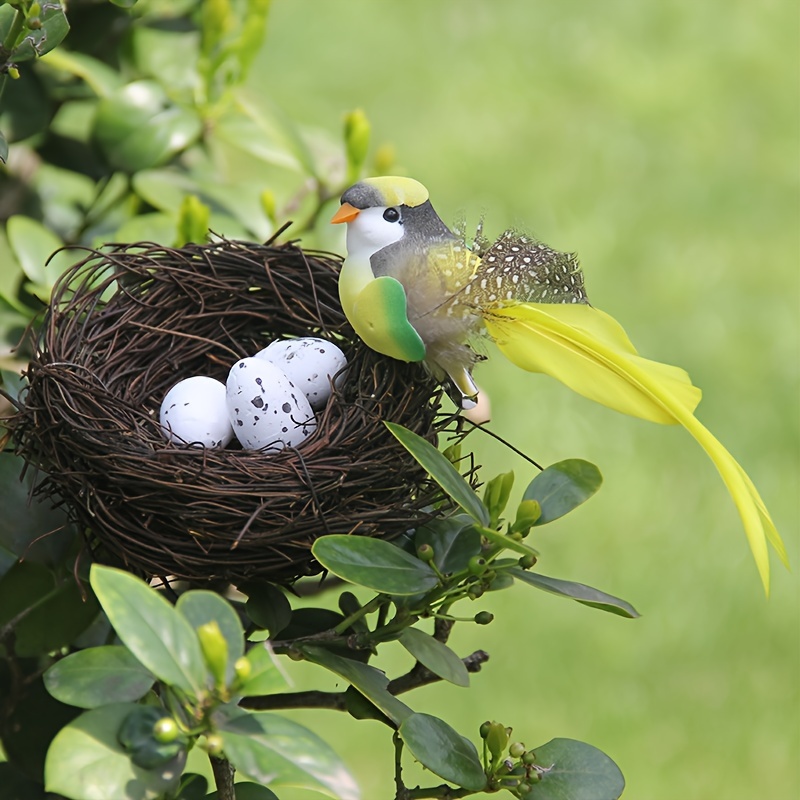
382, 211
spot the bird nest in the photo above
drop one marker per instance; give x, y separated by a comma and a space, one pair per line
127, 323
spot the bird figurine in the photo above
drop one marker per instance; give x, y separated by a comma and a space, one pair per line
413, 290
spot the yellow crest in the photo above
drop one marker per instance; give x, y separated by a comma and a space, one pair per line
398, 191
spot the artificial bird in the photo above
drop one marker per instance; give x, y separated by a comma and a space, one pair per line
413, 290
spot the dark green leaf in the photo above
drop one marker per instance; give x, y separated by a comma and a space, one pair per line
371, 682
38, 42
562, 487
454, 541
265, 677
56, 619
434, 655
49, 615
85, 760
575, 771
576, 591
267, 606
443, 751
23, 586
276, 751
359, 707
200, 606
247, 791
25, 520
373, 563
100, 675
31, 718
3, 148
193, 787
442, 471
308, 621
159, 636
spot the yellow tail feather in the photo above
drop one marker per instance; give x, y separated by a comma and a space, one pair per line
589, 351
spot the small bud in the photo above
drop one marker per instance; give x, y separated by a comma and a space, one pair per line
425, 553
385, 159
484, 729
516, 749
269, 205
496, 739
475, 591
529, 758
356, 139
483, 617
213, 744
34, 23
13, 73
528, 514
165, 730
477, 565
526, 562
215, 650
242, 669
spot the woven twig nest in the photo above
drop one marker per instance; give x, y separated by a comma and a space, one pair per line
126, 324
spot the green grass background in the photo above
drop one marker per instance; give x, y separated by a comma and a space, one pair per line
660, 141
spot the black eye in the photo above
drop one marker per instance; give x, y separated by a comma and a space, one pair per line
391, 215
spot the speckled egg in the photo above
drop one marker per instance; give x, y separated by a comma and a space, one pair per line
265, 408
310, 364
195, 412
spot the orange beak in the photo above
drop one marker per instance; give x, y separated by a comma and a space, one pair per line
346, 213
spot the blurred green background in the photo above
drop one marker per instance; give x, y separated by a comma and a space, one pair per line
660, 141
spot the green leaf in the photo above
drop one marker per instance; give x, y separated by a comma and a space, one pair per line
200, 606
278, 752
507, 542
454, 540
3, 148
159, 636
97, 676
576, 591
38, 42
373, 563
155, 227
247, 791
442, 471
562, 487
124, 3
371, 682
265, 677
138, 127
265, 132
99, 77
443, 751
33, 244
574, 770
85, 761
266, 605
434, 655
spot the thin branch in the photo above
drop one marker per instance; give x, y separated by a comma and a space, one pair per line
421, 676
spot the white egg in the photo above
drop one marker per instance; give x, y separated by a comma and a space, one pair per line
265, 408
310, 364
195, 412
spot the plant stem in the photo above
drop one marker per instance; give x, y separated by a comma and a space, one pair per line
223, 778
